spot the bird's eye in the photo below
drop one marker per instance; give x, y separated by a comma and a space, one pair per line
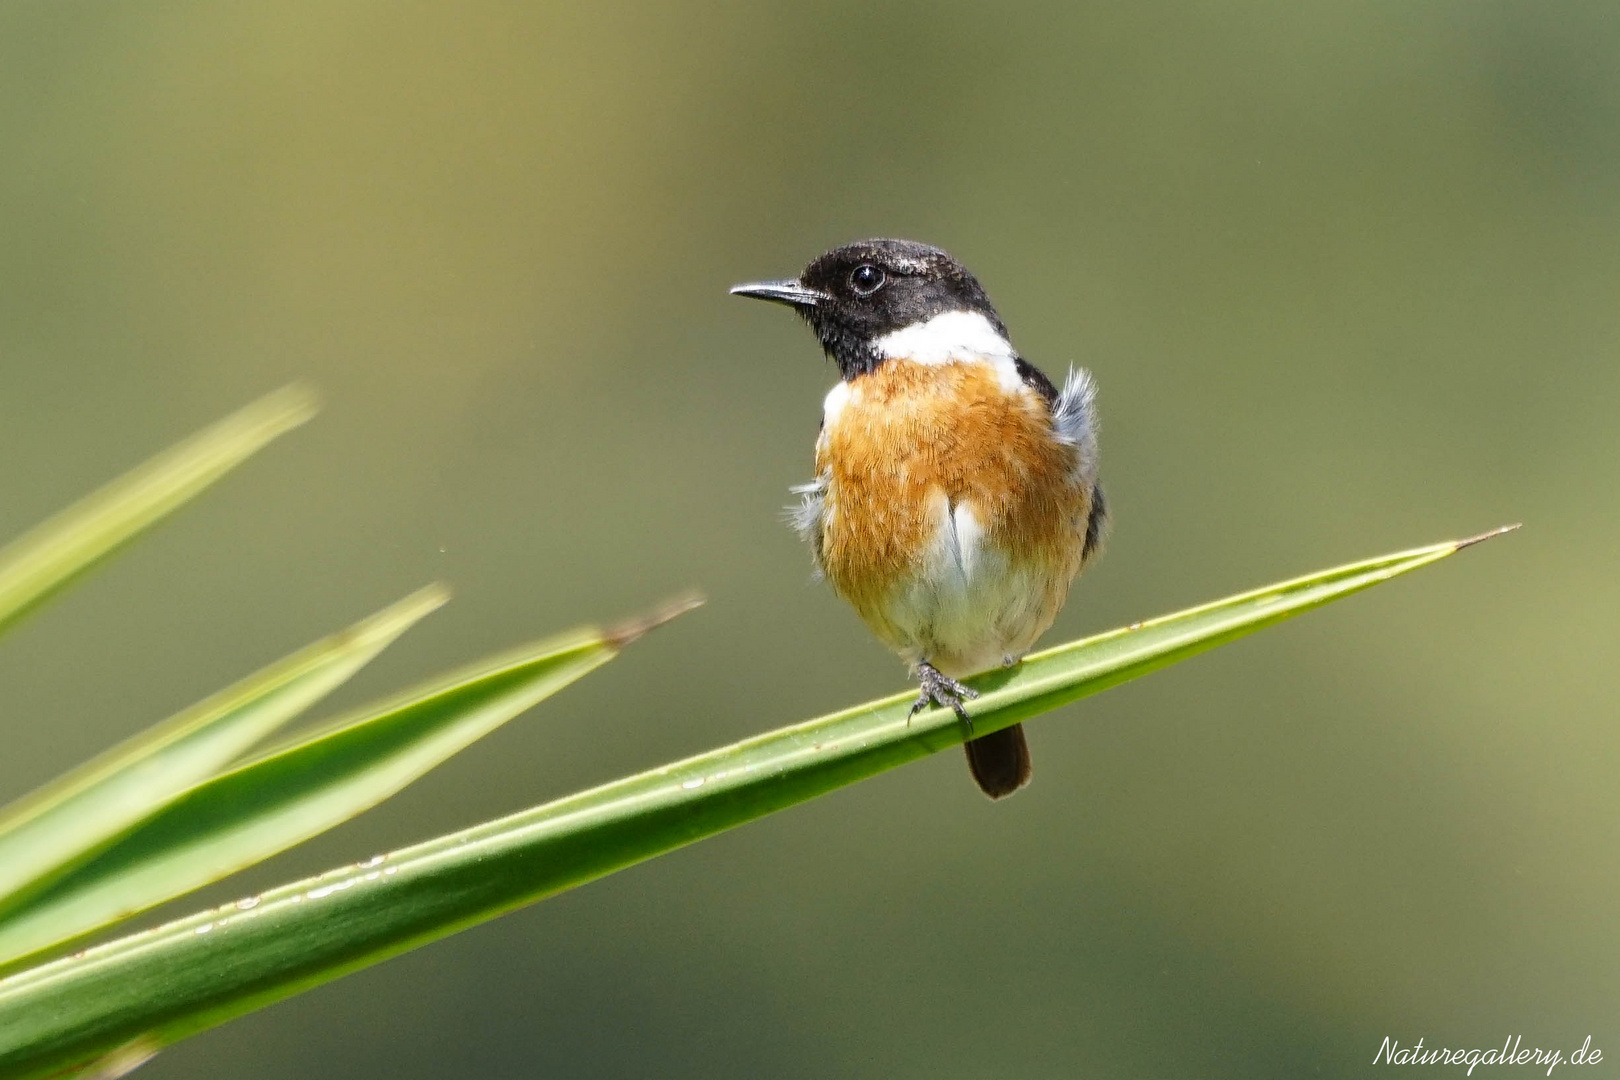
867, 279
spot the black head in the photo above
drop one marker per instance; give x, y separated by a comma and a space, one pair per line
856, 294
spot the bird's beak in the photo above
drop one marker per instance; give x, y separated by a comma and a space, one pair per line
782, 292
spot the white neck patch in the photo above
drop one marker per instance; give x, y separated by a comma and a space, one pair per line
954, 337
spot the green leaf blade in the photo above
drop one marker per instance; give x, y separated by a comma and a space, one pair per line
287, 795
51, 555
46, 834
191, 974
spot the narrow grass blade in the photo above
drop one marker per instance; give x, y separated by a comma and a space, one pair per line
46, 834
290, 794
52, 554
166, 983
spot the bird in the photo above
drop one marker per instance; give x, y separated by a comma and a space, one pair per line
956, 493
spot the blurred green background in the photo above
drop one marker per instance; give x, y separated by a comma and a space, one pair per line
1347, 275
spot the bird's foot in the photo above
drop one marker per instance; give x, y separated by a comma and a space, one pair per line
945, 692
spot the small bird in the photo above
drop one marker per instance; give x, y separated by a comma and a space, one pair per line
956, 492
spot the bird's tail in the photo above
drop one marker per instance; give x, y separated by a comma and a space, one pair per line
999, 761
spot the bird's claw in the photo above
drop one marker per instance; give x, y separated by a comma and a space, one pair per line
944, 692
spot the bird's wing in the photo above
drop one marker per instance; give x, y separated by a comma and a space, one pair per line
1036, 380
1074, 419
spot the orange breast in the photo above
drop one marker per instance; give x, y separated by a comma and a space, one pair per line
911, 435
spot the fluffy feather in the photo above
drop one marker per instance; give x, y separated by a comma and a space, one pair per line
1074, 418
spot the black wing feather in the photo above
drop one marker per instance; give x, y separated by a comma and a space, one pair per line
1036, 379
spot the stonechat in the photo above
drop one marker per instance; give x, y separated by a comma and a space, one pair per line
956, 493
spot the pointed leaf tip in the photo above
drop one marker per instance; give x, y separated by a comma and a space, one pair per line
622, 634
293, 404
428, 598
47, 557
1484, 536
392, 621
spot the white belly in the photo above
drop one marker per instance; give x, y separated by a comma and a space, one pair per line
970, 606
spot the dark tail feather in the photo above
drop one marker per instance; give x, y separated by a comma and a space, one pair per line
999, 761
